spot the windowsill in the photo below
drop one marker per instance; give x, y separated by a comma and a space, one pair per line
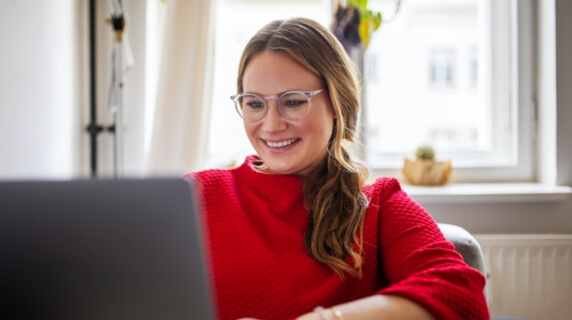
488, 192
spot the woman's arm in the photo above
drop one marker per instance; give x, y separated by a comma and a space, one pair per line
376, 307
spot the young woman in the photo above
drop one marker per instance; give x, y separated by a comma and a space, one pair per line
295, 232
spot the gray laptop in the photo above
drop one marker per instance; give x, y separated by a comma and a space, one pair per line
102, 249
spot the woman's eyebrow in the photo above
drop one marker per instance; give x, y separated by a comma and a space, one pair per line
272, 94
277, 94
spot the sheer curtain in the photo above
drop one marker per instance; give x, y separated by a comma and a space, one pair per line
182, 110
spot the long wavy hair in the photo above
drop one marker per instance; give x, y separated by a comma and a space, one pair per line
332, 191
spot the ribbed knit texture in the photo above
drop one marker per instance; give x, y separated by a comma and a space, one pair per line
255, 224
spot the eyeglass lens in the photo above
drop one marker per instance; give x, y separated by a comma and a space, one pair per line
292, 105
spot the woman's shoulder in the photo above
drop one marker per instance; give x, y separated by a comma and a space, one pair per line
212, 176
212, 173
221, 176
386, 190
382, 186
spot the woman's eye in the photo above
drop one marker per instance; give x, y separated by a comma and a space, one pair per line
294, 100
291, 103
255, 105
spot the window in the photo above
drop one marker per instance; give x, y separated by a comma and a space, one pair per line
442, 72
446, 73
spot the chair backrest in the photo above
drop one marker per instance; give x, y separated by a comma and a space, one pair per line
465, 244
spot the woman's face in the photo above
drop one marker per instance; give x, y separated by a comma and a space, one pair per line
292, 147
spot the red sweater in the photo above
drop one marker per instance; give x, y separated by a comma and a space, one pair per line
255, 225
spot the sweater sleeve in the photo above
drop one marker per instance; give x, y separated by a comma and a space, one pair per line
420, 264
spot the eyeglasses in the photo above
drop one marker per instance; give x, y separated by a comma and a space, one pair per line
292, 105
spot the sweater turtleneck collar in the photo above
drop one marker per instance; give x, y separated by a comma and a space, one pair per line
275, 187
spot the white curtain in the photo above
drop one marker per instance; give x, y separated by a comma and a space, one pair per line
180, 123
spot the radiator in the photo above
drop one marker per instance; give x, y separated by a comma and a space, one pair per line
529, 276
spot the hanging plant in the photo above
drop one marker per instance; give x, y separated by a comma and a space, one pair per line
369, 21
354, 23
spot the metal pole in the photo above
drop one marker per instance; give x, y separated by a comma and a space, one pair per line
93, 128
115, 106
116, 110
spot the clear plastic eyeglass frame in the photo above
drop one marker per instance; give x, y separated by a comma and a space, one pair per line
237, 98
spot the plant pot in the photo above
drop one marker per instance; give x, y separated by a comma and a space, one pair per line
426, 172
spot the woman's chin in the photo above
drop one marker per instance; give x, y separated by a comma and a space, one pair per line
279, 170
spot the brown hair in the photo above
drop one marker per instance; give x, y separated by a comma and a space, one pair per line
332, 191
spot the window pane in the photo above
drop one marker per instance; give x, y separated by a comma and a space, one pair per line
439, 73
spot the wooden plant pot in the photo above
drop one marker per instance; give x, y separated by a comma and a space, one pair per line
426, 172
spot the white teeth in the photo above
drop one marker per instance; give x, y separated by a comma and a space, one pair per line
280, 144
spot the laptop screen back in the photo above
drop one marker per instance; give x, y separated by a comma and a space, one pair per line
108, 249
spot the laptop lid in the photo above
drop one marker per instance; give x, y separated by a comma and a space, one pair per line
102, 249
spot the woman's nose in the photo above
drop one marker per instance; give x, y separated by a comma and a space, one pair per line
273, 120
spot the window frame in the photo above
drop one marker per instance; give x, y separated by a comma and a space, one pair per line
522, 93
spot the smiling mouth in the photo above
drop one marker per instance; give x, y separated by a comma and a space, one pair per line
281, 143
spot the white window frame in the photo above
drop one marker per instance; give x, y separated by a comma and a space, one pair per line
522, 93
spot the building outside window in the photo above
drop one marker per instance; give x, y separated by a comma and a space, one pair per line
442, 68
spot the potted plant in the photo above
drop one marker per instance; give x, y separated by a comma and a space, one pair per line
424, 170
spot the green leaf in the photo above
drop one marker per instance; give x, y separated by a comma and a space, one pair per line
354, 3
365, 30
377, 21
360, 4
369, 21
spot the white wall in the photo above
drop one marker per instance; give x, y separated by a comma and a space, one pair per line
39, 88
508, 217
44, 89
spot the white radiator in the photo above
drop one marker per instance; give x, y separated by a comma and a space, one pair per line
529, 276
